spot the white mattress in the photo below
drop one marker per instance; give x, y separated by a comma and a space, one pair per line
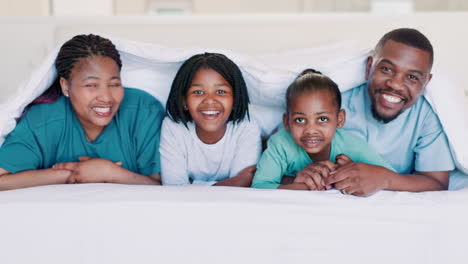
110, 223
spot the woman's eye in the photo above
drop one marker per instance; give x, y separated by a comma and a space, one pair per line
300, 120
322, 119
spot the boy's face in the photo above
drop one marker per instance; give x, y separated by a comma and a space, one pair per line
312, 120
396, 77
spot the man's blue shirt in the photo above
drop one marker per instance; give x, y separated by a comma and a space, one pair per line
414, 141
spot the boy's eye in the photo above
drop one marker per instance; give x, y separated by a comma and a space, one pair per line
300, 120
322, 119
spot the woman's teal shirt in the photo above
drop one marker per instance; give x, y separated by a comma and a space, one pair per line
51, 133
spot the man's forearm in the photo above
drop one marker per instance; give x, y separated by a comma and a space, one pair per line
418, 182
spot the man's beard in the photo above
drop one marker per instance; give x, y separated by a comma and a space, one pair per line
383, 119
386, 119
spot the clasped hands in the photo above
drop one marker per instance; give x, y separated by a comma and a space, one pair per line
89, 170
349, 177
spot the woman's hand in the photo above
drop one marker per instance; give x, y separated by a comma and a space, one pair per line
89, 170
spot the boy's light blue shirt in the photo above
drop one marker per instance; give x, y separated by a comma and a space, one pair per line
414, 141
284, 157
51, 133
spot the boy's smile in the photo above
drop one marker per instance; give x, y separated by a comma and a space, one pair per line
312, 120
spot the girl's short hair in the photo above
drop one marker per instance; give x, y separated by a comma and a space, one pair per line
311, 80
183, 80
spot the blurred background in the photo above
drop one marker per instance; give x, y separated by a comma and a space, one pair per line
31, 29
162, 7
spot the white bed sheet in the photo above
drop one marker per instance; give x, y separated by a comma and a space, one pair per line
111, 223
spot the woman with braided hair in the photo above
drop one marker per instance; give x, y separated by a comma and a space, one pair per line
86, 127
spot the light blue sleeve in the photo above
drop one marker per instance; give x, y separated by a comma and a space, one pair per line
272, 166
432, 151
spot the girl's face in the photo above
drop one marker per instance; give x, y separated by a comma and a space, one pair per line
95, 92
312, 120
209, 101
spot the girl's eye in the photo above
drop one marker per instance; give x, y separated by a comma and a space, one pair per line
322, 119
300, 120
220, 92
198, 92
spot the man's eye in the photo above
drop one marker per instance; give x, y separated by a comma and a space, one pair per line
386, 69
115, 85
91, 85
322, 119
413, 77
300, 120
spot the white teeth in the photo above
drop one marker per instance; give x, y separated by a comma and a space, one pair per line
102, 109
210, 112
391, 99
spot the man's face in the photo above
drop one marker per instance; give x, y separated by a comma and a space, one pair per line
396, 77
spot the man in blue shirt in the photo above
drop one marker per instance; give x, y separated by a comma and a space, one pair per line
392, 116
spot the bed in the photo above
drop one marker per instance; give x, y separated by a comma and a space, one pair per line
111, 223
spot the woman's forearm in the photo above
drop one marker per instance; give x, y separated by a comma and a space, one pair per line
30, 178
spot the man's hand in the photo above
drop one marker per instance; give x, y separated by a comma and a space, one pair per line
359, 179
313, 175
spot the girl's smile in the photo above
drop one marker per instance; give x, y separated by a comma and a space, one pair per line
209, 101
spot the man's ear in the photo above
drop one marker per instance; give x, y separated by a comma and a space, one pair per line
341, 118
65, 85
286, 121
369, 61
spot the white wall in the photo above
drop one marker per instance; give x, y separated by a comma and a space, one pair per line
27, 40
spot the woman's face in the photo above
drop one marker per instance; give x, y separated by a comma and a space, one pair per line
95, 92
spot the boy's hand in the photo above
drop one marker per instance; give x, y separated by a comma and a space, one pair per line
312, 175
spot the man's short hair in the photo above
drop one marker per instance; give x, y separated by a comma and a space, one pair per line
410, 37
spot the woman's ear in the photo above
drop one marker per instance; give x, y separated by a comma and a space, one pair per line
286, 121
65, 85
341, 118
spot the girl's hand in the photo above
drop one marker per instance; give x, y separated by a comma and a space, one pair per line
246, 175
312, 175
